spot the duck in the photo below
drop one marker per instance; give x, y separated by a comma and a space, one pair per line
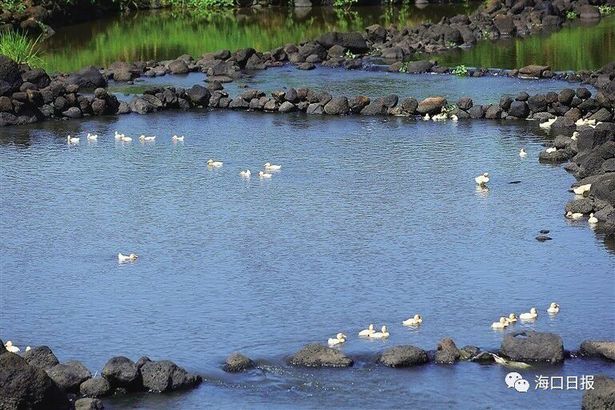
522, 153
575, 136
214, 164
592, 219
426, 117
126, 139
270, 167
28, 348
413, 321
10, 347
92, 137
582, 189
482, 180
547, 124
454, 118
337, 340
501, 324
383, 334
512, 318
533, 314
367, 332
72, 140
177, 138
262, 174
118, 136
550, 150
582, 121
553, 308
245, 174
439, 117
143, 138
574, 215
126, 258
509, 363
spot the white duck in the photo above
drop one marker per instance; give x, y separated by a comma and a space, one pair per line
426, 117
245, 174
512, 318
270, 167
547, 124
28, 348
482, 180
550, 150
118, 136
501, 324
367, 332
339, 339
126, 139
574, 215
262, 174
92, 137
454, 118
592, 219
533, 314
72, 140
416, 320
553, 308
582, 189
214, 164
582, 121
383, 334
10, 347
143, 138
575, 136
522, 153
126, 258
439, 117
177, 138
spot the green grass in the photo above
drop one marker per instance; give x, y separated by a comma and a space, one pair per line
21, 48
201, 4
12, 6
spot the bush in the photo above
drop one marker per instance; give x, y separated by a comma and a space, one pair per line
571, 15
606, 10
21, 48
460, 70
344, 4
201, 4
12, 6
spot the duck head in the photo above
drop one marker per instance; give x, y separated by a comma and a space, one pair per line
533, 311
512, 316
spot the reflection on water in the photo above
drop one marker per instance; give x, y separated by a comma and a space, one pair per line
164, 34
369, 221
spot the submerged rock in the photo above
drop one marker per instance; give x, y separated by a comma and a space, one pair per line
237, 362
165, 376
89, 404
403, 356
530, 346
316, 355
598, 348
602, 396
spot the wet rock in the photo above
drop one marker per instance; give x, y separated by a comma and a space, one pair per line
306, 66
376, 33
287, 107
5, 104
88, 78
583, 205
422, 66
403, 356
519, 109
95, 387
598, 348
431, 105
178, 67
123, 108
601, 397
408, 106
465, 103
141, 106
556, 157
504, 24
533, 71
237, 362
357, 103
476, 112
37, 76
563, 125
315, 108
375, 107
447, 352
337, 106
165, 376
493, 112
239, 103
602, 115
25, 387
583, 93
543, 238
41, 357
69, 376
10, 79
392, 53
588, 12
89, 404
243, 55
316, 355
483, 357
537, 103
72, 112
351, 40
529, 346
255, 62
468, 352
120, 371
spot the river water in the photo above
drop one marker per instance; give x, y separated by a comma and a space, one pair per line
369, 221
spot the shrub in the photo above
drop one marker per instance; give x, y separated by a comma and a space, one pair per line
571, 15
201, 4
460, 70
344, 4
12, 6
606, 10
21, 48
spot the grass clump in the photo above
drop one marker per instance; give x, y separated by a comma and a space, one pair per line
460, 71
201, 4
571, 15
344, 4
21, 48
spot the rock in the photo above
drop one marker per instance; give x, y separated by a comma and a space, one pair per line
88, 78
565, 96
562, 141
601, 397
468, 352
597, 348
561, 155
533, 71
316, 355
375, 107
306, 66
504, 24
563, 126
141, 106
376, 33
408, 106
602, 115
72, 112
494, 112
392, 53
422, 66
25, 387
537, 103
69, 376
287, 107
583, 93
431, 105
357, 103
315, 108
243, 55
403, 356
9, 74
95, 387
37, 76
88, 404
337, 106
476, 112
483, 357
352, 40
543, 238
519, 109
447, 352
588, 12
178, 67
530, 346
237, 362
291, 95
120, 371
41, 357
165, 376
465, 103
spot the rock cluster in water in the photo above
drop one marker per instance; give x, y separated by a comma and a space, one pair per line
39, 380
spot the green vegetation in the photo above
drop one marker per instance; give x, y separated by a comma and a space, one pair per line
349, 55
404, 67
12, 6
460, 71
21, 48
571, 15
201, 4
606, 10
344, 4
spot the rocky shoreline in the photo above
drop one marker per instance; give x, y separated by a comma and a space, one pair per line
39, 380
